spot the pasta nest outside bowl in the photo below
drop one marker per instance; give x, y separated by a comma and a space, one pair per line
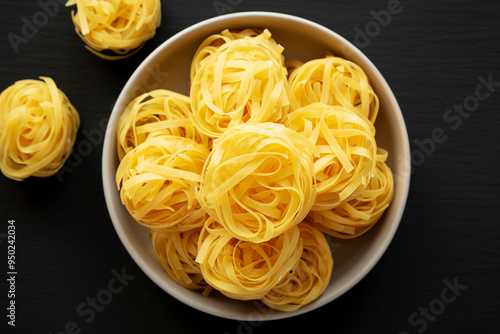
303, 40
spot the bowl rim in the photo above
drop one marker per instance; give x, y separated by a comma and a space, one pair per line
109, 174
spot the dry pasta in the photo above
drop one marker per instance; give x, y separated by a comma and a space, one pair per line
157, 181
177, 252
242, 269
333, 81
38, 127
159, 111
213, 42
239, 182
309, 279
243, 81
119, 26
347, 151
355, 217
258, 180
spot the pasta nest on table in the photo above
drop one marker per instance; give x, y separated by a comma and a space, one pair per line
347, 151
258, 180
158, 111
157, 182
245, 270
119, 26
309, 278
243, 81
333, 81
38, 127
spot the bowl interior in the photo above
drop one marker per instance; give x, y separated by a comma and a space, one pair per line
168, 67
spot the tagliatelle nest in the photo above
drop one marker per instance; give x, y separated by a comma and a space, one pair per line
334, 81
38, 127
258, 180
177, 252
161, 112
157, 182
347, 151
242, 81
242, 269
355, 217
309, 279
213, 42
119, 26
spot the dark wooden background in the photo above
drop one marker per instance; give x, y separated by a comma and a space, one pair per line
432, 53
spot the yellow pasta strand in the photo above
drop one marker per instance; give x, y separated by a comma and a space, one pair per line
38, 127
355, 217
121, 27
157, 181
242, 269
159, 111
333, 81
258, 180
309, 279
243, 81
177, 252
347, 151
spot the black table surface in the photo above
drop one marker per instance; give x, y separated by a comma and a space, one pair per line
439, 275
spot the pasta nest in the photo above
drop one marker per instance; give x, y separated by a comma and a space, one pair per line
243, 81
177, 252
309, 279
38, 127
159, 111
157, 182
258, 180
347, 151
334, 81
119, 26
244, 270
355, 217
213, 42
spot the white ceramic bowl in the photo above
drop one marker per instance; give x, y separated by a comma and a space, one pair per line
168, 67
